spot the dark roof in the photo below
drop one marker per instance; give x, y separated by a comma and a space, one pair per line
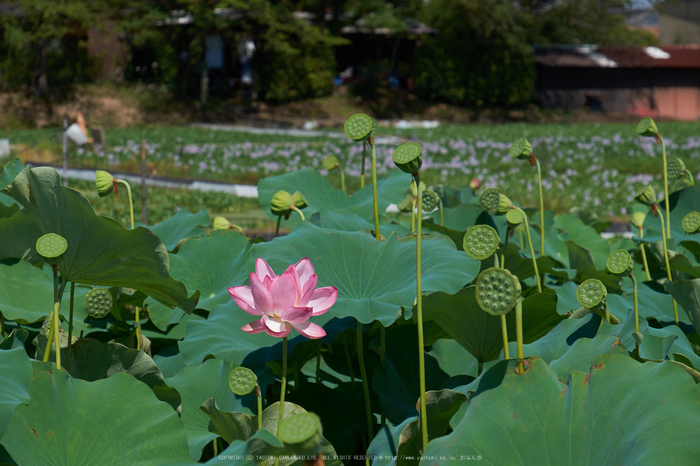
663, 56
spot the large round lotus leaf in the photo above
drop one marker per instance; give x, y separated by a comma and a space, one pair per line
18, 235
210, 264
374, 278
197, 384
573, 230
7, 175
116, 420
681, 203
100, 251
15, 376
621, 412
320, 194
180, 226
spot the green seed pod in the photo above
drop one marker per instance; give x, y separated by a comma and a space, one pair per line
515, 217
521, 149
505, 205
637, 218
679, 184
359, 127
302, 433
281, 203
330, 162
480, 242
497, 291
408, 157
51, 245
591, 293
620, 262
98, 302
104, 182
242, 381
430, 200
647, 127
646, 196
220, 223
490, 200
674, 168
299, 200
691, 222
406, 204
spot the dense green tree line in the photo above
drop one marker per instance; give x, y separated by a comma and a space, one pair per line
483, 55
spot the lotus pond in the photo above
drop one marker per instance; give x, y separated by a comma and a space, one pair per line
474, 326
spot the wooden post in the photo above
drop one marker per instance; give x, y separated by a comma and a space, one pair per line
65, 152
143, 181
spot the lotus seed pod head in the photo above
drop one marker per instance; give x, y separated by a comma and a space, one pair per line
98, 302
104, 182
408, 157
480, 242
220, 223
299, 200
281, 203
646, 196
679, 184
591, 293
497, 291
302, 433
521, 149
637, 218
330, 162
430, 200
406, 204
490, 200
620, 262
358, 127
515, 217
691, 222
647, 127
675, 168
242, 381
505, 205
46, 325
51, 245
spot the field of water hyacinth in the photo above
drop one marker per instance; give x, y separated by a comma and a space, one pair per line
467, 329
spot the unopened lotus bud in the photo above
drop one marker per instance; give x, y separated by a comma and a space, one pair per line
637, 219
475, 184
515, 217
408, 157
330, 163
281, 203
497, 291
646, 195
104, 182
505, 205
299, 200
647, 127
220, 223
521, 149
302, 433
359, 127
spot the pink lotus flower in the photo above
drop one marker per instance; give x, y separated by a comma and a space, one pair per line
286, 301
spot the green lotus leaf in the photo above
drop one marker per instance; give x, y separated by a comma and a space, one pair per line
60, 422
15, 376
645, 405
18, 235
385, 444
453, 359
197, 384
181, 226
7, 175
687, 294
320, 194
374, 278
100, 251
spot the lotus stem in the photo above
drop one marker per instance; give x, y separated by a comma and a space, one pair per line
382, 352
216, 447
260, 410
365, 382
54, 334
520, 234
364, 156
644, 254
342, 178
532, 250
284, 384
70, 325
504, 330
607, 311
636, 303
519, 334
318, 362
298, 210
374, 187
2, 325
419, 315
277, 231
539, 181
668, 266
137, 325
668, 210
440, 208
